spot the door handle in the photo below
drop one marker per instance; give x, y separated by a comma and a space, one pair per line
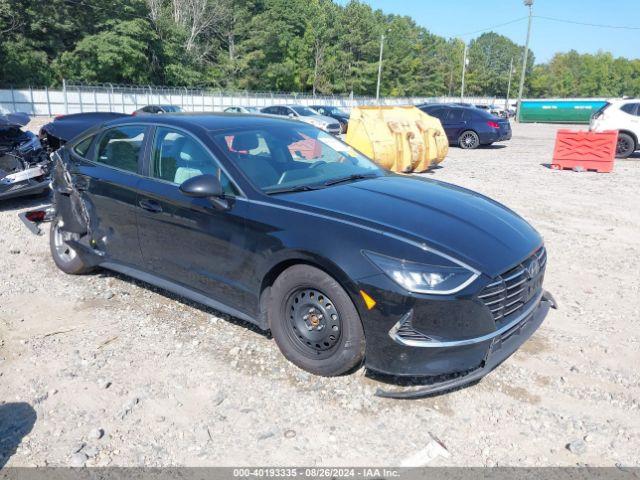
150, 206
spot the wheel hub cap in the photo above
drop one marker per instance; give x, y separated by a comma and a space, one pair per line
315, 323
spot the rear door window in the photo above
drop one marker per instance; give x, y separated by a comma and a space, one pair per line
120, 147
455, 115
630, 108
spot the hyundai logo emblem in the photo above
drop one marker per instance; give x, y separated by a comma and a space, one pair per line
534, 268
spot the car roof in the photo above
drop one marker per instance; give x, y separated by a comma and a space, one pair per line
205, 121
447, 105
623, 101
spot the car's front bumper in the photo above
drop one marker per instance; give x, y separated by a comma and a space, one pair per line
456, 342
497, 349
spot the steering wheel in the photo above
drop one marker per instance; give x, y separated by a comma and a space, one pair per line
318, 164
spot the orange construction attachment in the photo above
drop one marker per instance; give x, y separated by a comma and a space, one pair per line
587, 150
401, 139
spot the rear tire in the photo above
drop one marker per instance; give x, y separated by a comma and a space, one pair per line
65, 257
469, 140
314, 322
626, 145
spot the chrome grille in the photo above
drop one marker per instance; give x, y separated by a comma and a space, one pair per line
512, 290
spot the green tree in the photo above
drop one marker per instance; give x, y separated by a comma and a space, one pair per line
118, 55
489, 58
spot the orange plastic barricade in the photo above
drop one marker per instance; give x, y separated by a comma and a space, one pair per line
587, 150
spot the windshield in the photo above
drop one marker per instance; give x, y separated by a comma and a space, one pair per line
284, 158
335, 111
304, 111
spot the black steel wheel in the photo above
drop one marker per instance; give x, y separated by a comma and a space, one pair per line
314, 322
626, 145
315, 325
469, 140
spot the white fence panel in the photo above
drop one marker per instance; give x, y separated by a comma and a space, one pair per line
82, 98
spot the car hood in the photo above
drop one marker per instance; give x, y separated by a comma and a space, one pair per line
461, 223
318, 118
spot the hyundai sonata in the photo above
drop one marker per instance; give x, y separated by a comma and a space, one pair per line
281, 224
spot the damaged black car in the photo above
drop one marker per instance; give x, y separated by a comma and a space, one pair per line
24, 163
280, 224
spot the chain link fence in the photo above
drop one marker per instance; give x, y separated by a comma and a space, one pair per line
78, 98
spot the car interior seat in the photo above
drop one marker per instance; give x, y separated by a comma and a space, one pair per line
257, 167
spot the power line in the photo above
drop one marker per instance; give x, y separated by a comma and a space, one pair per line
598, 25
490, 28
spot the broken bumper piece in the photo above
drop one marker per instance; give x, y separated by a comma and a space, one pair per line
501, 348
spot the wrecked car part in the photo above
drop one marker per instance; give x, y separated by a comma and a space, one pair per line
24, 164
70, 203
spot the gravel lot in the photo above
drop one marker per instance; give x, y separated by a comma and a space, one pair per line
102, 370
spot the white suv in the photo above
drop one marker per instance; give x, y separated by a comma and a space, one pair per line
621, 115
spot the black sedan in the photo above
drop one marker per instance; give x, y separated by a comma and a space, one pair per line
278, 223
467, 126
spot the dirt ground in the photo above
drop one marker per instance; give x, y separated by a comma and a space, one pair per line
102, 370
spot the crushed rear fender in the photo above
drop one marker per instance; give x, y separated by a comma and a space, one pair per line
74, 208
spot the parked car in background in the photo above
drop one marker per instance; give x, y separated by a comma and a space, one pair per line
306, 115
493, 110
469, 127
334, 112
282, 225
24, 163
622, 115
155, 109
253, 110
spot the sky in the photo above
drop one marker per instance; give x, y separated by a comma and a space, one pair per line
458, 18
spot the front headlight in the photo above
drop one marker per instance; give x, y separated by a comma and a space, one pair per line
423, 278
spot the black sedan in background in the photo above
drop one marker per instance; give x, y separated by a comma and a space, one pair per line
156, 109
334, 112
281, 224
467, 126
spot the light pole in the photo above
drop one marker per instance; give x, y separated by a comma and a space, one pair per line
506, 102
380, 67
527, 3
465, 61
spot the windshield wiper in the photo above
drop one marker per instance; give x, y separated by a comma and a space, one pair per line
350, 178
298, 188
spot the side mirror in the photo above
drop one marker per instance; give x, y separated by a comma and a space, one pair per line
205, 186
292, 115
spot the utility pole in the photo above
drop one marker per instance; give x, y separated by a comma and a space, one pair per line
464, 69
380, 68
506, 102
527, 3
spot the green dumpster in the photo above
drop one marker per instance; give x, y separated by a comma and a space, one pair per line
559, 111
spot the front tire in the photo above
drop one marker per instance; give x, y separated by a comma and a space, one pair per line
314, 322
469, 140
626, 145
65, 257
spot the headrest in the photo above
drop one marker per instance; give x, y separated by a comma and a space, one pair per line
244, 142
